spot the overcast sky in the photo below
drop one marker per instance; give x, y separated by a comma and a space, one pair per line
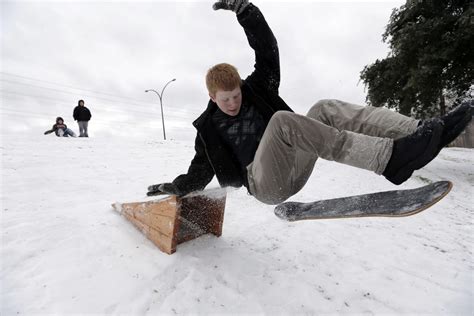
122, 48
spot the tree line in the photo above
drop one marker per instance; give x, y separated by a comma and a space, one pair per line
430, 65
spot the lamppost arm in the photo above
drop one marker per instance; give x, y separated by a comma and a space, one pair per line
162, 91
160, 96
157, 93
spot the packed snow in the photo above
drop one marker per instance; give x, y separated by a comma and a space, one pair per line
64, 250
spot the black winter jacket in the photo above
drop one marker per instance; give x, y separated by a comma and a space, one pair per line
81, 113
213, 156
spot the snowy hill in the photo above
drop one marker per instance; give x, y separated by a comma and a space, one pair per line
64, 250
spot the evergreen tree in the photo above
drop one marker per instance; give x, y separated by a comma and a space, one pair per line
430, 66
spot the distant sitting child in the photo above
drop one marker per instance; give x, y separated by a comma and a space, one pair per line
61, 129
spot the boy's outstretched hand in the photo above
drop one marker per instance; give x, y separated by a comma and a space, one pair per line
163, 188
238, 6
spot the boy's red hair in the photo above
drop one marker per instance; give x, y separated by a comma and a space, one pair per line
222, 77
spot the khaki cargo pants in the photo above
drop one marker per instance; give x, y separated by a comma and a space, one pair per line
359, 136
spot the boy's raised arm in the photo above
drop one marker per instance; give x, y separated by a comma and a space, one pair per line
261, 39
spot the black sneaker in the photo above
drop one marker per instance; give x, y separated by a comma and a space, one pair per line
453, 117
414, 151
455, 122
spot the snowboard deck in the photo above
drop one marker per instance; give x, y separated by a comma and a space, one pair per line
397, 203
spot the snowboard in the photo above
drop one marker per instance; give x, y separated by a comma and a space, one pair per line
397, 203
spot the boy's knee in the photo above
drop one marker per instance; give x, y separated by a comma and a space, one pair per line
323, 103
281, 118
319, 108
282, 115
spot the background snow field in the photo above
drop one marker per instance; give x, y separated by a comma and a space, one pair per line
65, 250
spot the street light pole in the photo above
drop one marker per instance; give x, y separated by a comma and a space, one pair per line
160, 96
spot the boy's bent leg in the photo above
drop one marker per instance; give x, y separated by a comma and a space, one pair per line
274, 176
278, 171
70, 132
368, 120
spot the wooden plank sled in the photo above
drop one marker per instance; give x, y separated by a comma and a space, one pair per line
173, 220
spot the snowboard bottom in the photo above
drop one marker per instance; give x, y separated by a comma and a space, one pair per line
397, 203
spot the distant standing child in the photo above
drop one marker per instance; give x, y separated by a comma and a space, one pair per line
60, 129
82, 115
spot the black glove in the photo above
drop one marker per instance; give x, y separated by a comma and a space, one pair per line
163, 188
238, 6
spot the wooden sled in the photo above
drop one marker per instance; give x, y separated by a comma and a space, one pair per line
173, 220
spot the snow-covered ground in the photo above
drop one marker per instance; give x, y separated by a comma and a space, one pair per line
64, 250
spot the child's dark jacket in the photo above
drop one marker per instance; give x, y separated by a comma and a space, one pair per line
213, 156
56, 128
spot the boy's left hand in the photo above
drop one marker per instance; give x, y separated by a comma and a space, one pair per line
237, 6
163, 188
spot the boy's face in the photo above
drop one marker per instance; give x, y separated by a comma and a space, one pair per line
81, 103
228, 101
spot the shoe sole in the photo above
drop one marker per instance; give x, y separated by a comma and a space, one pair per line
460, 112
457, 130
